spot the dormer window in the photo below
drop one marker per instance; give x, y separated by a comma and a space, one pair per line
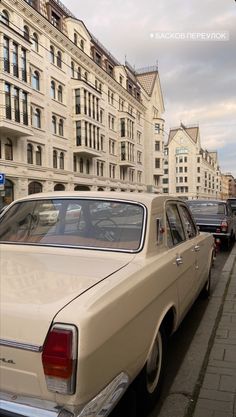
97, 58
110, 69
56, 20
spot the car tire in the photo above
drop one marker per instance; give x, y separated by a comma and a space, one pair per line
206, 291
149, 381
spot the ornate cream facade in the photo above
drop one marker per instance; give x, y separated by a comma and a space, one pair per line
189, 171
71, 116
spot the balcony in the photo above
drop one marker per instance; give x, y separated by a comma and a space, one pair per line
85, 151
13, 128
125, 162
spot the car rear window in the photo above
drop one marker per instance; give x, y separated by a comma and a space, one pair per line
87, 223
207, 208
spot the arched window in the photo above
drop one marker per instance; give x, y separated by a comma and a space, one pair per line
75, 38
79, 73
72, 65
53, 89
26, 33
35, 42
54, 125
81, 188
86, 76
59, 59
29, 153
35, 80
9, 192
59, 187
54, 159
35, 187
4, 17
9, 150
60, 94
61, 160
37, 118
82, 44
52, 54
61, 127
39, 155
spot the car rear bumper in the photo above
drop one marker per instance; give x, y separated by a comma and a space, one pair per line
99, 406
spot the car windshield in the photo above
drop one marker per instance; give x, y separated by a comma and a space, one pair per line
208, 208
232, 203
87, 223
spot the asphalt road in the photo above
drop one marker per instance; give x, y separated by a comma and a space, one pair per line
177, 351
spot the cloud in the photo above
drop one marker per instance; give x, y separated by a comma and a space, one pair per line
198, 78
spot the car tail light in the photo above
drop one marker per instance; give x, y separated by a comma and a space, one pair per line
59, 359
224, 226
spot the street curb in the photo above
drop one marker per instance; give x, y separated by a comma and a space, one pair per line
228, 268
181, 402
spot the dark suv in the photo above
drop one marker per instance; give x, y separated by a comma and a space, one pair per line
232, 203
216, 217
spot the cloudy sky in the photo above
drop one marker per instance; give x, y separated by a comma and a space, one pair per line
198, 77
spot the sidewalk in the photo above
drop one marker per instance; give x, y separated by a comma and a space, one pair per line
205, 385
217, 396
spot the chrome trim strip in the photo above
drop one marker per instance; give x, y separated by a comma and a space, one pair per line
27, 411
23, 346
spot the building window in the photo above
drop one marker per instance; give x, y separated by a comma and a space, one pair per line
35, 187
26, 33
157, 127
23, 65
157, 145
29, 153
81, 165
9, 150
6, 54
122, 128
77, 101
37, 118
54, 125
54, 159
79, 73
78, 134
15, 60
59, 59
72, 65
60, 93
75, 38
61, 127
8, 100
4, 17
82, 44
52, 54
157, 163
35, 42
53, 90
85, 76
24, 97
35, 80
61, 160
17, 104
56, 20
39, 155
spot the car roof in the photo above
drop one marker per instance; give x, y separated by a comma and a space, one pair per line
143, 198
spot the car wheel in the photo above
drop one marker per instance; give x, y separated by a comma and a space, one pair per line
149, 381
206, 291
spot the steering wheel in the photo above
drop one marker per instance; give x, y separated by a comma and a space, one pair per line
106, 229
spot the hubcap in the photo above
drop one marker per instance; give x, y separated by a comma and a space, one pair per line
154, 364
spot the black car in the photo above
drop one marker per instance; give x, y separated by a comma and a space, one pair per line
232, 203
216, 217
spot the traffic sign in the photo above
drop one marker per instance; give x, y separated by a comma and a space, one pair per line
2, 179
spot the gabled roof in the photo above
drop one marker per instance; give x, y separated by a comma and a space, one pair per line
192, 132
147, 81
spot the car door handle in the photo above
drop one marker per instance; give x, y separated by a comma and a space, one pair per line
178, 260
196, 248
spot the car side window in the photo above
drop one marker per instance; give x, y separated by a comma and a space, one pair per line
175, 231
189, 225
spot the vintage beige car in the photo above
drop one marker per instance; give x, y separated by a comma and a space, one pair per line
87, 306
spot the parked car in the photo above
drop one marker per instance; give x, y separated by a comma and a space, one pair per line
232, 202
87, 307
216, 217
